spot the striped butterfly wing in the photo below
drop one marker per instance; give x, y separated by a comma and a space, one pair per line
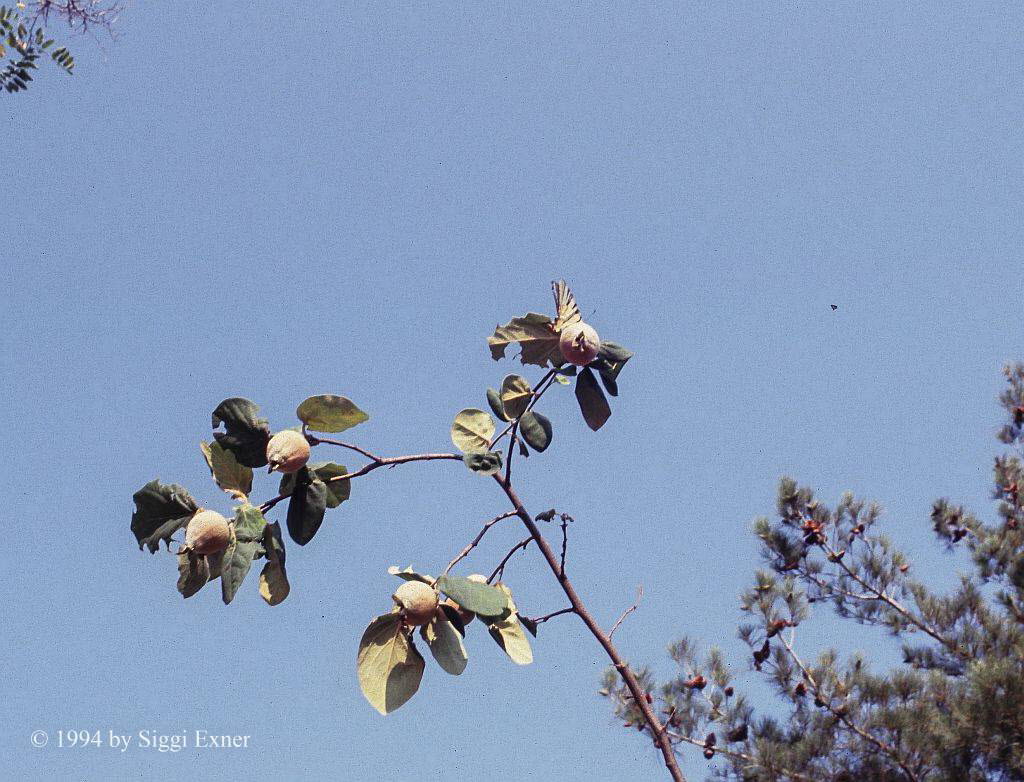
566, 310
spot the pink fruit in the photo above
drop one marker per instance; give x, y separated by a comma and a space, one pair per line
207, 533
579, 344
287, 451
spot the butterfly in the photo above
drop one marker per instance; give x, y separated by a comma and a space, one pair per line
567, 311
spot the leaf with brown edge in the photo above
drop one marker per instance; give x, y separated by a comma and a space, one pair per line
536, 336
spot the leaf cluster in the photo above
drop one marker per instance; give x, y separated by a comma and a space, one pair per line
23, 43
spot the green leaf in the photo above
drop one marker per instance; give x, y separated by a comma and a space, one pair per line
330, 413
216, 563
483, 462
482, 599
494, 400
614, 354
193, 573
160, 511
611, 358
472, 430
249, 524
228, 474
408, 574
535, 335
245, 434
337, 491
445, 644
536, 430
591, 399
389, 665
274, 586
247, 532
509, 635
516, 394
306, 507
611, 386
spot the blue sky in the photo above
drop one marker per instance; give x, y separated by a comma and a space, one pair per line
243, 200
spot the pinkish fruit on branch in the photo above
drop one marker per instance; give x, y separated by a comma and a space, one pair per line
579, 344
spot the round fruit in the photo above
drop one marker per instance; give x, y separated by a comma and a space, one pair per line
579, 344
207, 533
417, 600
287, 451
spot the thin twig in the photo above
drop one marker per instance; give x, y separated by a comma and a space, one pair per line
500, 569
381, 462
476, 541
316, 439
628, 611
542, 619
511, 450
566, 518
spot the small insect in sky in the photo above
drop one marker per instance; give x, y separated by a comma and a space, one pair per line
834, 307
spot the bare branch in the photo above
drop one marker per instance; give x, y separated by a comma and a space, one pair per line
316, 440
380, 462
542, 619
476, 541
80, 15
628, 611
499, 571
